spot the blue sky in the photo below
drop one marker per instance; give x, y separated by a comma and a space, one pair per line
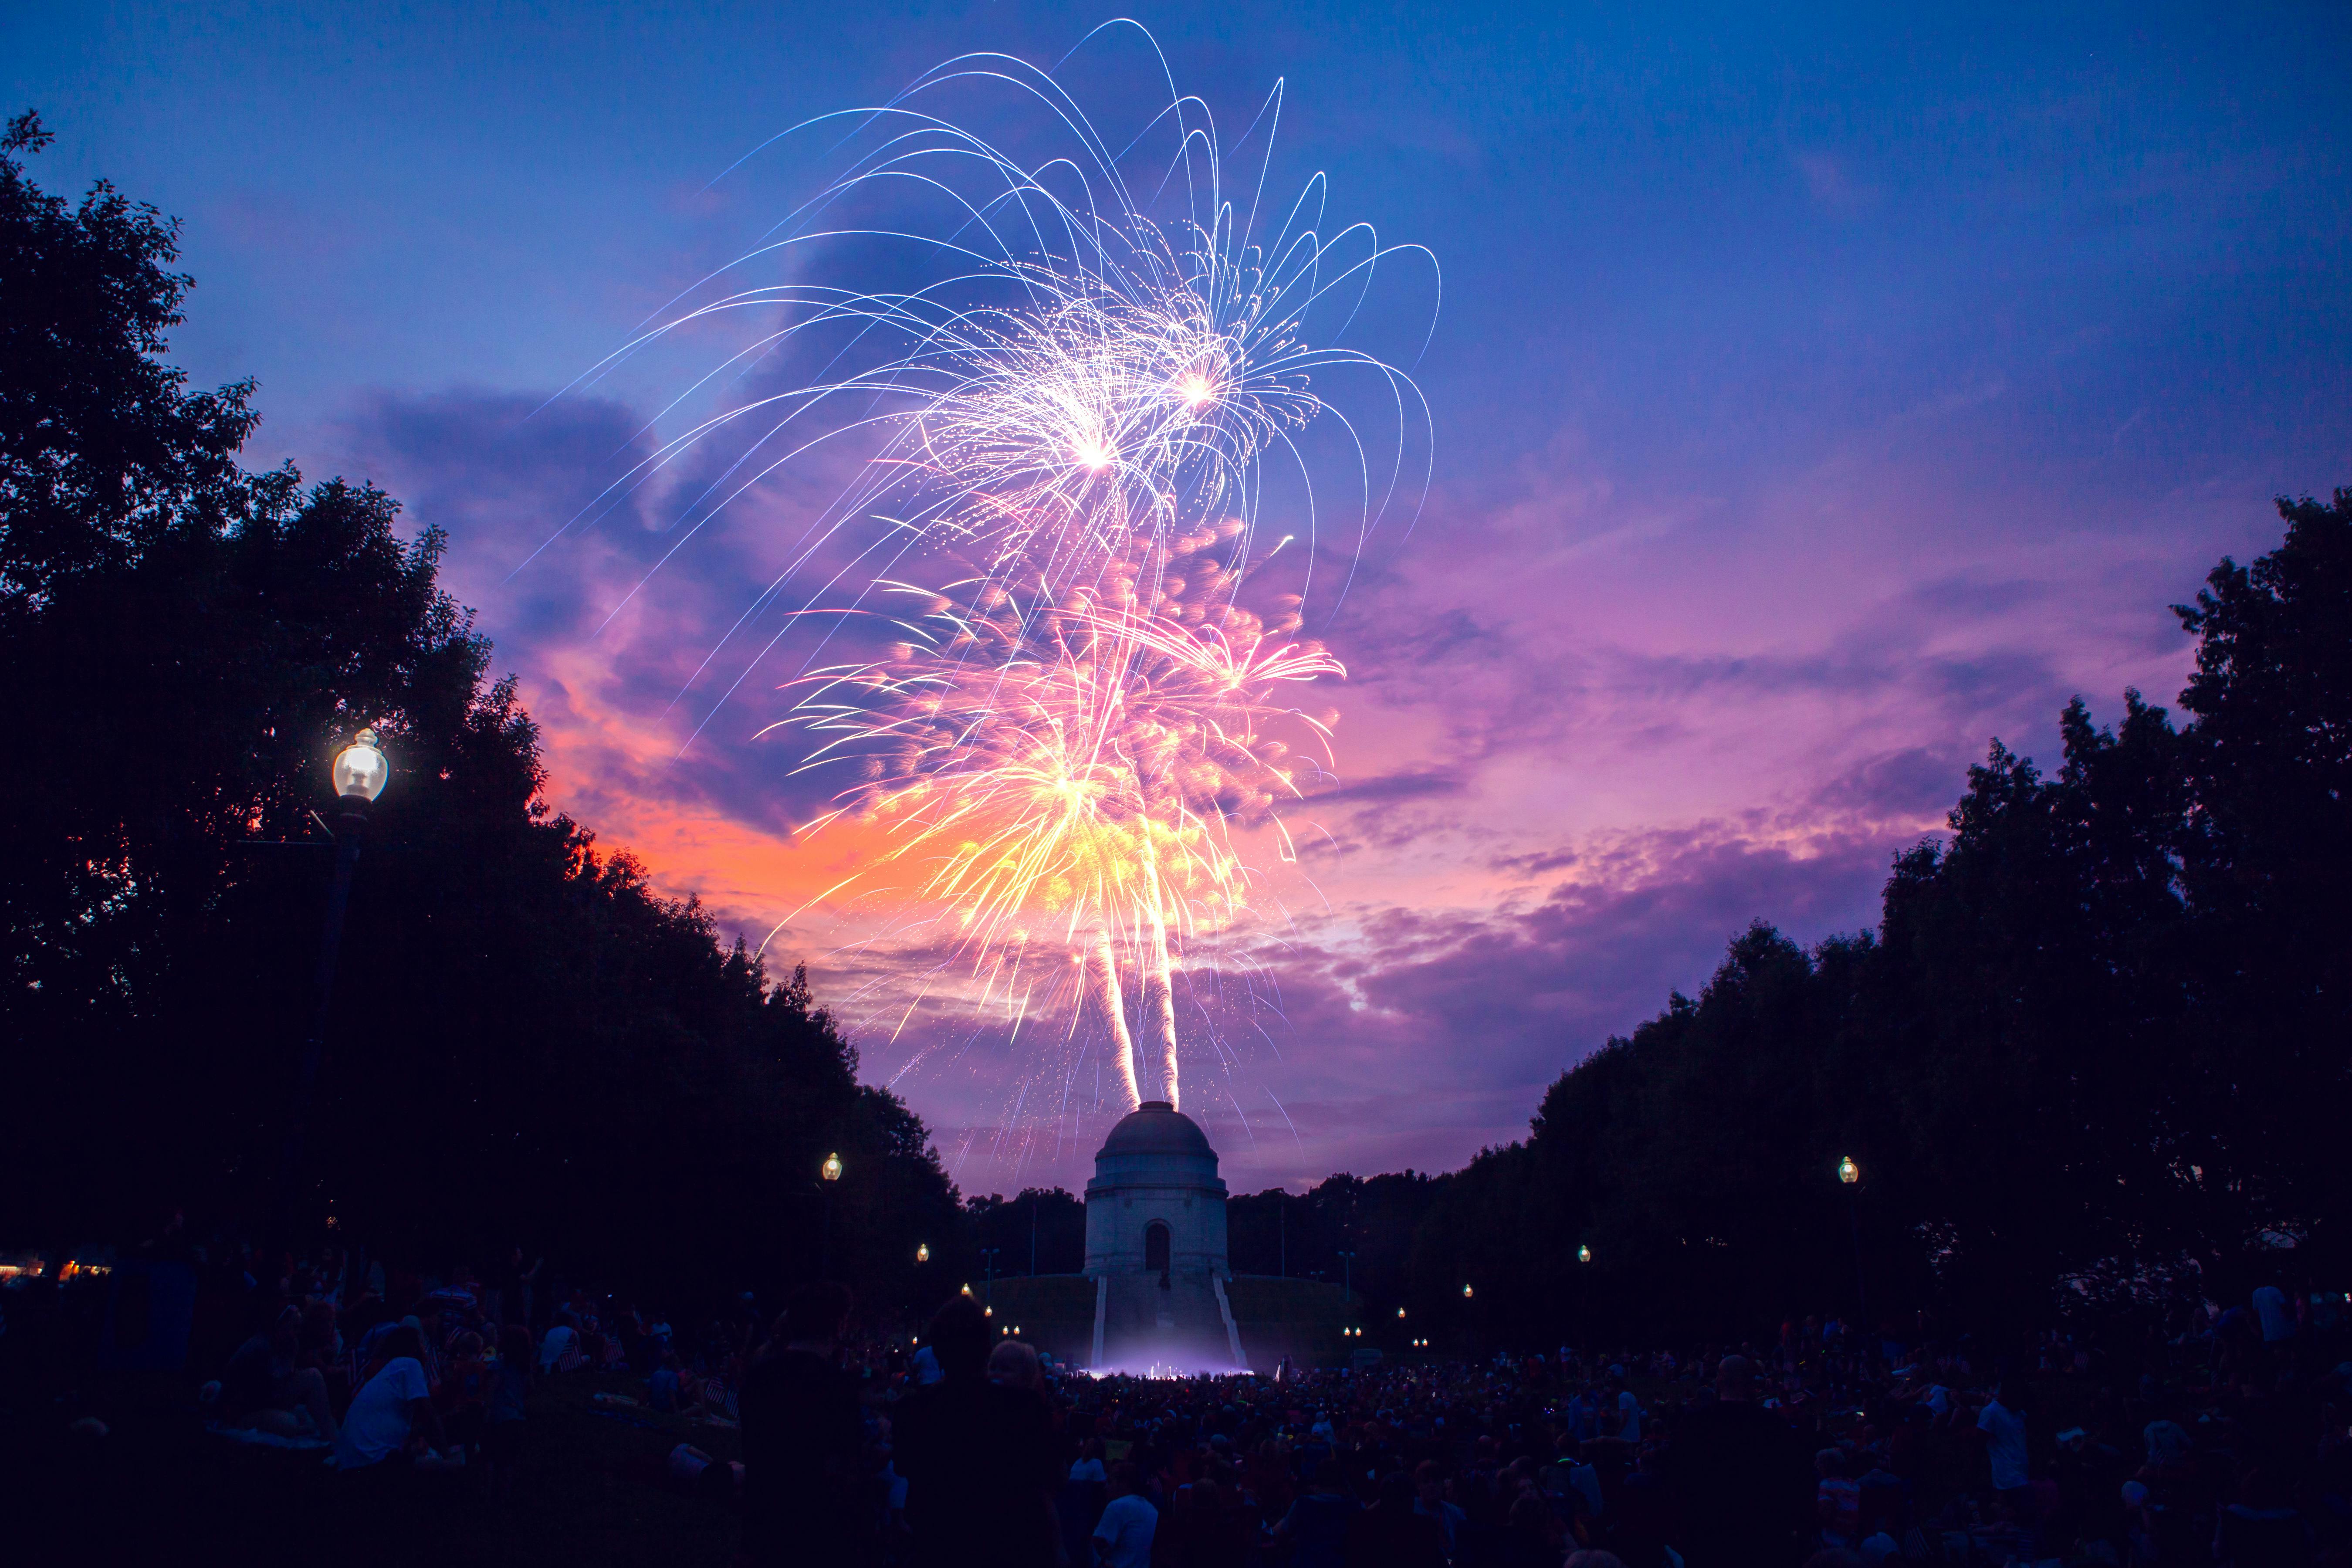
1815, 397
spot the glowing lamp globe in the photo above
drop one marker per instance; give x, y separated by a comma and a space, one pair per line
831, 1169
1584, 1255
922, 1252
361, 771
1848, 1172
1465, 1290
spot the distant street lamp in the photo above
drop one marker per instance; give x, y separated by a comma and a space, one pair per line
360, 772
1466, 1293
1849, 1177
922, 1252
1584, 1255
1347, 1273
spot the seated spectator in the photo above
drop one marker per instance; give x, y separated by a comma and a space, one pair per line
1392, 1534
1837, 1499
2263, 1529
504, 1411
1429, 1501
392, 1404
560, 1351
1528, 1539
464, 1389
1013, 1364
1205, 1526
265, 1389
1122, 1537
321, 1342
1081, 1500
2167, 1444
1317, 1526
665, 1390
696, 1474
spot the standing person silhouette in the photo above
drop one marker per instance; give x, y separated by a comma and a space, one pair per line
1741, 1481
802, 1440
979, 1458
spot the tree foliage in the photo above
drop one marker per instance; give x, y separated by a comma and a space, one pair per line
103, 451
529, 1041
2098, 1045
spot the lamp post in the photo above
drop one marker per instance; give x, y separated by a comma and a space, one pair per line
1347, 1273
1849, 1176
360, 772
988, 1256
828, 1177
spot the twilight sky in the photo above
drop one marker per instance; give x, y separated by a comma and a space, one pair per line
1814, 400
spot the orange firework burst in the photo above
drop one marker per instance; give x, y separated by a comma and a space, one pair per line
1072, 771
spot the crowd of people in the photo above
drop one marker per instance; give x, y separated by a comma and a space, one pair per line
2220, 1435
395, 1372
2218, 1438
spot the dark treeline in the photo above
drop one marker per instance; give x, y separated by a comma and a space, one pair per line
529, 1044
1350, 1230
1042, 1231
2097, 1048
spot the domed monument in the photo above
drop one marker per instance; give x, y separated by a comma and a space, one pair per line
1158, 1296
1155, 1247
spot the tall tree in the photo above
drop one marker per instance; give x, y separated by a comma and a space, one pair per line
2099, 1044
103, 450
530, 1040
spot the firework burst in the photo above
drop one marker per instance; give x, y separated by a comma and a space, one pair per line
1066, 424
1071, 772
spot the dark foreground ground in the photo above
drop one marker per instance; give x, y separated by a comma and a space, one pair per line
591, 1489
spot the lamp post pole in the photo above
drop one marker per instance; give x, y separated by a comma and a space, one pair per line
1849, 1177
1347, 1274
360, 772
828, 1177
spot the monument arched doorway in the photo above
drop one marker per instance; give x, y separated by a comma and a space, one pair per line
1155, 1247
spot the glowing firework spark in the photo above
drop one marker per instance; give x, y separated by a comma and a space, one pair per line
1072, 771
1075, 408
1078, 373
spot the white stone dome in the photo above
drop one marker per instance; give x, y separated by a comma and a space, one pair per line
1156, 1145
